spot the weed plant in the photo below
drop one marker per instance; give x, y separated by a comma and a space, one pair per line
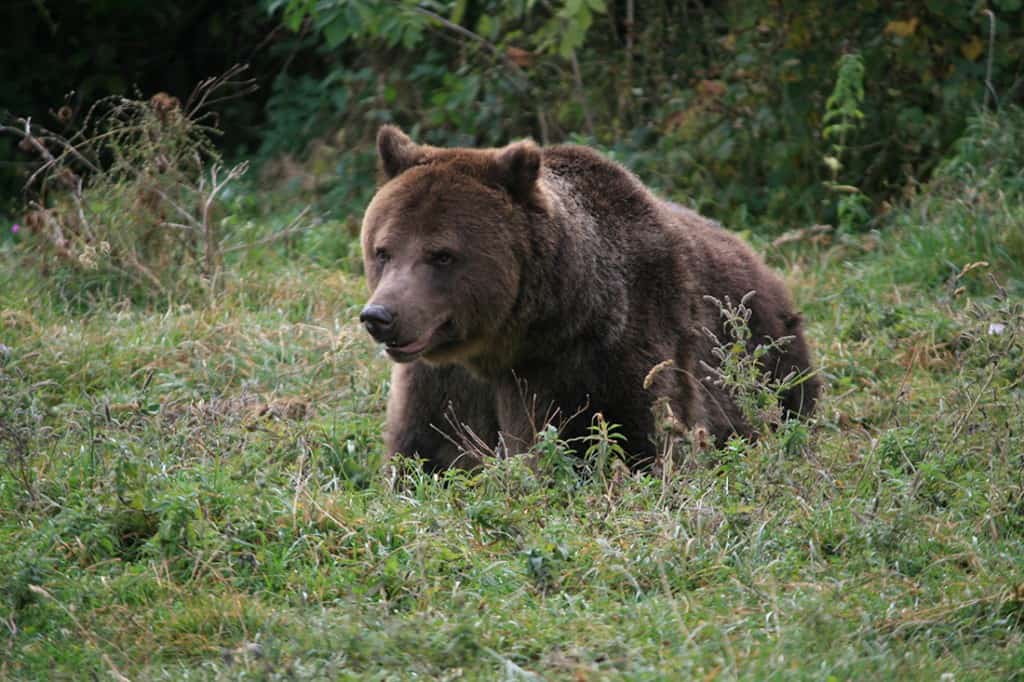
130, 201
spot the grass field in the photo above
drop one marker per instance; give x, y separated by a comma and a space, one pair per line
195, 491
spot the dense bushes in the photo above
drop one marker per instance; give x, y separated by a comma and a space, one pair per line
721, 104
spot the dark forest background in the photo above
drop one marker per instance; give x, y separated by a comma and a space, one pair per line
724, 105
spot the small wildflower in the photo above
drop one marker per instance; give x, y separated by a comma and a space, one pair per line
15, 228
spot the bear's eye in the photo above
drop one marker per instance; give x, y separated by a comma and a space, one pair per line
441, 258
382, 256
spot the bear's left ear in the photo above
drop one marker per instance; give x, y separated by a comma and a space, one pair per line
516, 168
396, 151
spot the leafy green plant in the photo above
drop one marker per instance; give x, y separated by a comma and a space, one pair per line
604, 449
555, 458
842, 118
740, 365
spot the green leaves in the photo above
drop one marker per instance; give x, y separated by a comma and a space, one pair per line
341, 21
567, 30
843, 117
842, 108
562, 29
732, 108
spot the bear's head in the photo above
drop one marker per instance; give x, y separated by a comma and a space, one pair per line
444, 242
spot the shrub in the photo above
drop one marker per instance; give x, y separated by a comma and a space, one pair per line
722, 105
130, 200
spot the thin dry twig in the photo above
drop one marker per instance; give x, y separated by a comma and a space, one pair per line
133, 190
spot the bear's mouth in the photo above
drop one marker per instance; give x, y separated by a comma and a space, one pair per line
407, 352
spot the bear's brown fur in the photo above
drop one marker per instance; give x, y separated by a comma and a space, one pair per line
518, 284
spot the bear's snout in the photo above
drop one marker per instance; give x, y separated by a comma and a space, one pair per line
379, 321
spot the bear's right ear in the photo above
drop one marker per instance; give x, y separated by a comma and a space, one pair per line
517, 167
396, 151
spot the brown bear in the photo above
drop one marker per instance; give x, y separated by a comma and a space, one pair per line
521, 286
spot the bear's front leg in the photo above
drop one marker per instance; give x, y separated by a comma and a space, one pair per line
526, 407
439, 414
620, 398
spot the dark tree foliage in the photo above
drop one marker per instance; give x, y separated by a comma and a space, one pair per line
722, 104
60, 56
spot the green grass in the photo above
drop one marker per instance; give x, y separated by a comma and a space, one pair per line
196, 492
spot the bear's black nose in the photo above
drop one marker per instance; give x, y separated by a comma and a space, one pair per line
379, 321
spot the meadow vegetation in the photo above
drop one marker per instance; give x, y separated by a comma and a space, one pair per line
191, 486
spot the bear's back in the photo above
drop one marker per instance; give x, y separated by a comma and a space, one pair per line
623, 206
